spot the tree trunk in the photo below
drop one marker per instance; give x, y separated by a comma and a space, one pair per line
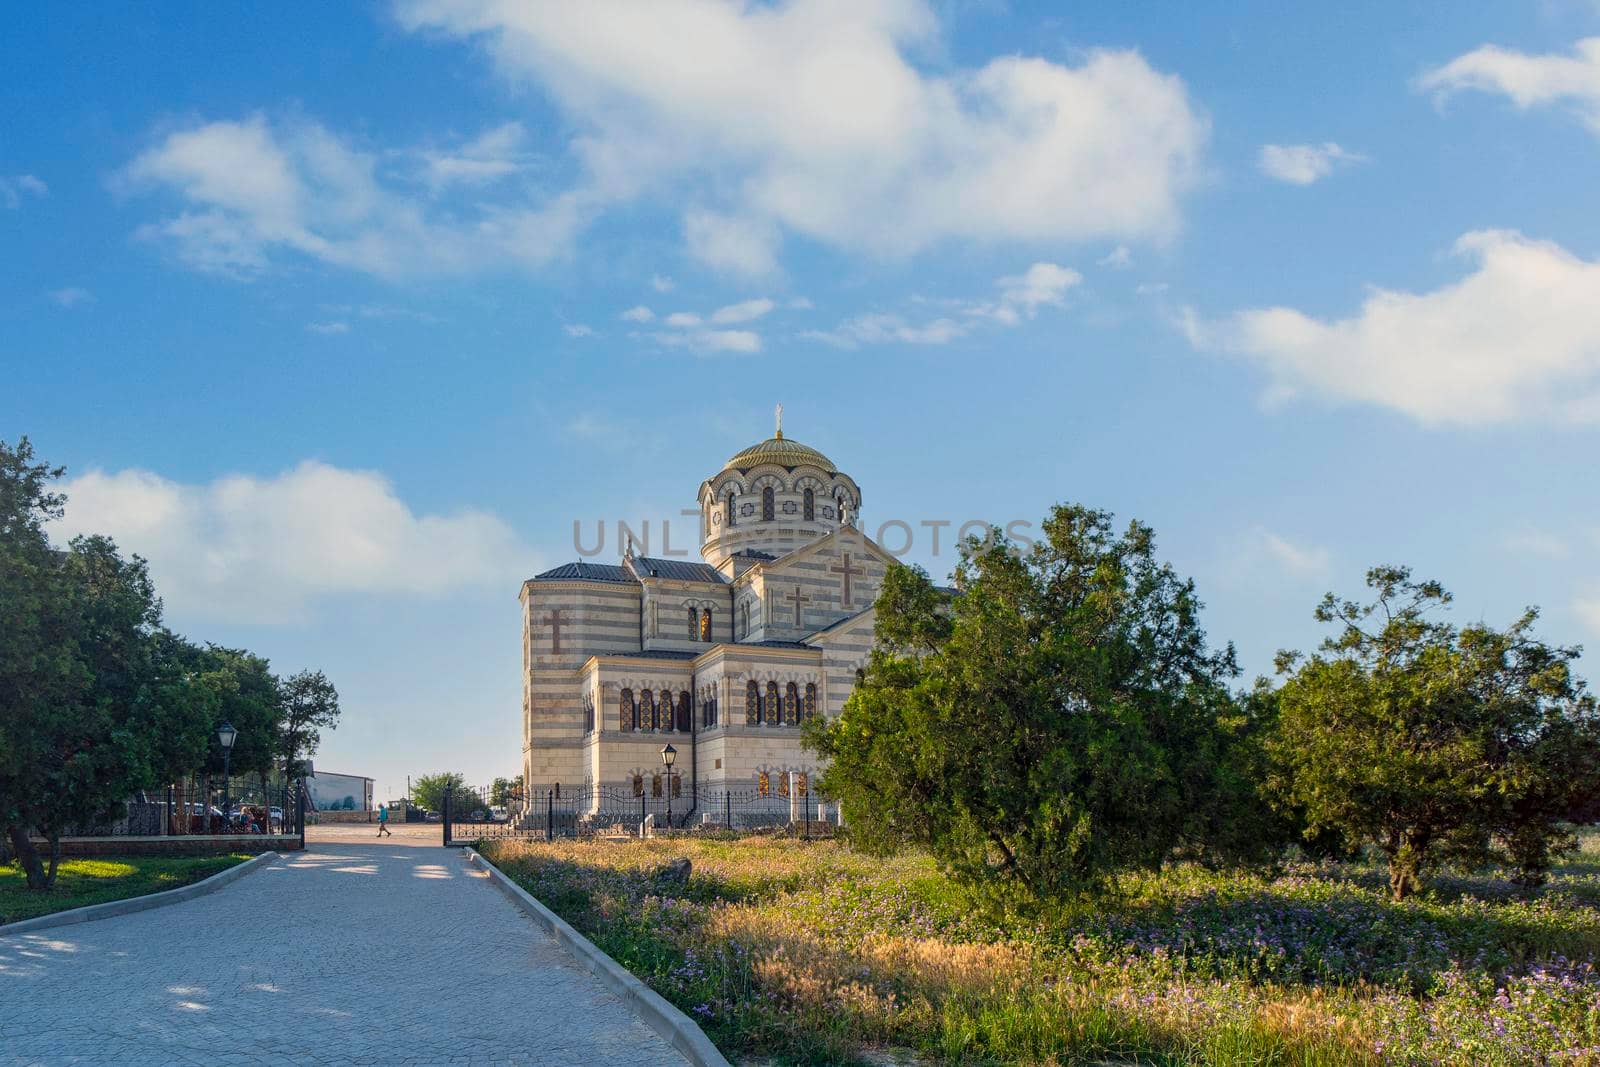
55, 858
1405, 870
28, 856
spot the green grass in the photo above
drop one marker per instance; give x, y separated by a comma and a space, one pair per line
81, 882
789, 952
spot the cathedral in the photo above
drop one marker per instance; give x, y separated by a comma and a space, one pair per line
722, 658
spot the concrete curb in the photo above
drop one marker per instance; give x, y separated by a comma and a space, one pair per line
113, 908
679, 1030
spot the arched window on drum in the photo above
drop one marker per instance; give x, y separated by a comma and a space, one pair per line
769, 505
705, 624
752, 704
666, 709
694, 624
810, 505
627, 713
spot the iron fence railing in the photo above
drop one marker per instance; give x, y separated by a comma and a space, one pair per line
184, 810
590, 811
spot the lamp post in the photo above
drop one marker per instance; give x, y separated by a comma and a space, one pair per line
668, 754
226, 736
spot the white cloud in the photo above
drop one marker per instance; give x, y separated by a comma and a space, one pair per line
1021, 297
638, 314
713, 340
578, 329
252, 189
1518, 337
266, 550
1588, 610
1307, 561
682, 320
745, 311
494, 154
1151, 288
71, 296
1119, 258
1528, 80
1302, 164
810, 117
15, 188
661, 283
1538, 543
328, 329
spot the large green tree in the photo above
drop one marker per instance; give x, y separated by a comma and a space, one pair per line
1058, 719
310, 704
430, 790
1436, 743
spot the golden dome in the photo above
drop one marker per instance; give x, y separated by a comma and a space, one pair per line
783, 452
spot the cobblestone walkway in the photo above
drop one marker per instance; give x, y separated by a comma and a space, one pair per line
349, 953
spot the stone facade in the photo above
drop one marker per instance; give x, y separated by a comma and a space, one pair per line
723, 658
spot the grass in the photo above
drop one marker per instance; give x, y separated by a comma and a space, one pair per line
794, 952
80, 882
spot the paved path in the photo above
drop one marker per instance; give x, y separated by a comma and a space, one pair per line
348, 953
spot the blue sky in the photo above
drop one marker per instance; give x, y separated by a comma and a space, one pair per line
342, 321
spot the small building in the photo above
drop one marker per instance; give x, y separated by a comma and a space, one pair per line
339, 792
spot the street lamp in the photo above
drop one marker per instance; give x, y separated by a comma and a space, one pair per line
668, 754
226, 736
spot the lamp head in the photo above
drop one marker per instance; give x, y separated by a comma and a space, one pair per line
226, 735
668, 754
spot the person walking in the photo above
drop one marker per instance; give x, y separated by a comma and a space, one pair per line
383, 821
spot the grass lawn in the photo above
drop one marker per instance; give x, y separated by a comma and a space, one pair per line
80, 882
795, 952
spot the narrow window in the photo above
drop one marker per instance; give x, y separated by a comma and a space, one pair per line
732, 520
811, 700
628, 715
768, 505
588, 713
810, 506
744, 619
647, 710
783, 784
801, 785
763, 785
655, 784
774, 708
752, 704
694, 623
683, 710
705, 625
638, 784
791, 704
666, 709
677, 785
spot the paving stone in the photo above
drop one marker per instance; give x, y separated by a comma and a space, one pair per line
346, 953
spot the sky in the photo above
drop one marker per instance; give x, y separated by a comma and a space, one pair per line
343, 318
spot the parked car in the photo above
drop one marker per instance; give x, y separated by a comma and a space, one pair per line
430, 816
498, 813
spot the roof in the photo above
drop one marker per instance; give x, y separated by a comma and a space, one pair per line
654, 653
678, 570
782, 451
777, 644
584, 572
755, 553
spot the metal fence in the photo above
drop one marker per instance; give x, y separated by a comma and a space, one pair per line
178, 811
589, 811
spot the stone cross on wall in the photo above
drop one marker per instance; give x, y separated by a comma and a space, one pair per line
846, 570
554, 622
797, 598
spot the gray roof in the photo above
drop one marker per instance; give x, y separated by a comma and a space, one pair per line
584, 572
678, 570
754, 553
777, 644
654, 653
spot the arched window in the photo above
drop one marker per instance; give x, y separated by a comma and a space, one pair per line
711, 708
811, 700
861, 675
677, 785
647, 710
783, 784
774, 708
588, 713
694, 623
705, 625
627, 714
768, 505
732, 520
638, 784
752, 704
683, 710
655, 784
744, 619
802, 785
666, 709
763, 785
791, 704
810, 506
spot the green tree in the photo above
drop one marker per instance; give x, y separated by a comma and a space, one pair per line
1436, 743
430, 790
310, 704
1059, 719
503, 790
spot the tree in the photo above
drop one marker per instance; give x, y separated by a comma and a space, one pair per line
429, 792
1057, 720
503, 790
1436, 743
310, 705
